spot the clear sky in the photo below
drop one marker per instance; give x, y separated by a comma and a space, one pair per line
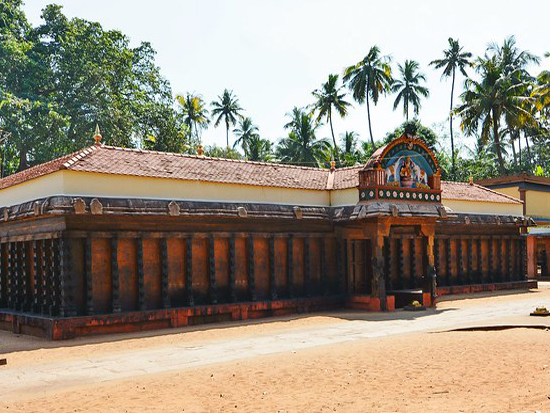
274, 53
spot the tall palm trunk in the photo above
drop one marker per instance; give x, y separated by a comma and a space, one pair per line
497, 142
227, 133
514, 149
333, 138
451, 124
368, 115
528, 149
518, 136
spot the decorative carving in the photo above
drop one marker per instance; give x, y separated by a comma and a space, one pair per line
79, 206
442, 212
6, 214
394, 211
242, 212
96, 207
36, 208
298, 212
467, 220
173, 209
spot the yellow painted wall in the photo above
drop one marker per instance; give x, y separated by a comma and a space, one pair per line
477, 207
93, 184
512, 191
537, 203
344, 197
47, 185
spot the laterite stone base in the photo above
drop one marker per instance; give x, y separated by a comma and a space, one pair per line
66, 328
477, 288
366, 302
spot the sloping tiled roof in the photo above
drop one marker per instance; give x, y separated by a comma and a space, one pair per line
136, 162
463, 191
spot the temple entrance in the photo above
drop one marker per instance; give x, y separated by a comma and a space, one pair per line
405, 255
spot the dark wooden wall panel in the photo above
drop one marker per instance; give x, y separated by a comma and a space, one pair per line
221, 253
127, 269
152, 273
315, 266
241, 274
201, 280
261, 267
101, 275
330, 261
281, 276
176, 271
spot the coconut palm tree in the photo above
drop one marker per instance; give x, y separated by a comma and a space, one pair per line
368, 79
408, 88
226, 108
302, 146
487, 101
195, 114
245, 132
453, 58
259, 149
329, 98
350, 152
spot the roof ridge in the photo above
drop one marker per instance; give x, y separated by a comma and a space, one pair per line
498, 193
188, 155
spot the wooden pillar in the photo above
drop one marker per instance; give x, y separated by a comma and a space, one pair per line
448, 256
47, 279
165, 288
22, 275
388, 263
401, 260
189, 271
212, 285
378, 282
469, 261
531, 256
498, 253
324, 280
272, 281
115, 276
460, 262
509, 262
88, 276
524, 241
307, 266
490, 266
231, 261
430, 278
479, 272
37, 284
412, 266
11, 274
3, 278
140, 274
518, 259
437, 256
251, 275
290, 265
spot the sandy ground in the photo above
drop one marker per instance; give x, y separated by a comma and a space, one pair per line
445, 371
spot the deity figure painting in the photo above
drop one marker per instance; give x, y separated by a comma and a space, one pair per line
406, 173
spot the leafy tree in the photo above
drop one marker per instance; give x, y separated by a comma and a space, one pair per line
351, 154
65, 76
453, 58
415, 128
215, 151
226, 108
259, 149
194, 113
408, 88
245, 132
302, 147
329, 98
368, 79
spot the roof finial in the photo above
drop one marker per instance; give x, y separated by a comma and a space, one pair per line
332, 164
97, 135
200, 150
471, 180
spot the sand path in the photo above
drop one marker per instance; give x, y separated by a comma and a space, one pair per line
17, 381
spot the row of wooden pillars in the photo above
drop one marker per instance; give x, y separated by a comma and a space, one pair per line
86, 276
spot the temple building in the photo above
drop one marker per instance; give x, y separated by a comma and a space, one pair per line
110, 239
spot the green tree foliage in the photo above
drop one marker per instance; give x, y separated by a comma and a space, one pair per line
255, 148
368, 79
61, 78
227, 108
194, 113
327, 99
453, 58
408, 87
215, 151
302, 147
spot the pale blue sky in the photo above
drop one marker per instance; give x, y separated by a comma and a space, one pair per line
273, 54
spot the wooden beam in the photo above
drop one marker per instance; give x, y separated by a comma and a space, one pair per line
189, 271
88, 275
115, 277
232, 278
290, 265
251, 275
212, 286
140, 275
272, 283
165, 292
